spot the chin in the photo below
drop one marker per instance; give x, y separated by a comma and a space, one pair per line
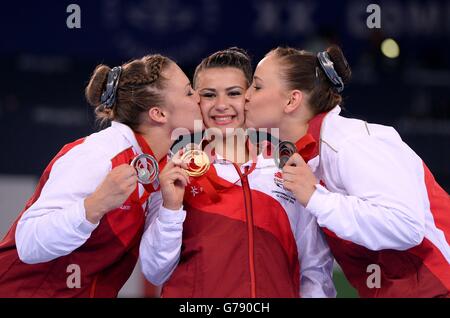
262, 124
250, 124
224, 129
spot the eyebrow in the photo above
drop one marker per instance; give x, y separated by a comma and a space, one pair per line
227, 89
207, 89
234, 87
258, 78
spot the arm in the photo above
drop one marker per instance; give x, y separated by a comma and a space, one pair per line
56, 224
316, 261
383, 206
160, 246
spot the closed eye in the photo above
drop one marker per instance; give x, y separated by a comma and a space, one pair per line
208, 95
235, 93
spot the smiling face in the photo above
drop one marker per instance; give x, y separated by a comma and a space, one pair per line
267, 96
222, 97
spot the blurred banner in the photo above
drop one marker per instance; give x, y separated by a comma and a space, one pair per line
188, 30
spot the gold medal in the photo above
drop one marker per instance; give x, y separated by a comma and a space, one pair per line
197, 161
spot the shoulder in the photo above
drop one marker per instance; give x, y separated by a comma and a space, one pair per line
106, 143
337, 132
109, 142
95, 150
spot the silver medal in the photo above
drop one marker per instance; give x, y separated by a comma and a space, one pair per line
283, 152
146, 167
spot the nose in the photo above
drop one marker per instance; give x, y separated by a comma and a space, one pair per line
247, 95
221, 104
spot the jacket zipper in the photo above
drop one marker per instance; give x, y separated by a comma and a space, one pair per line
249, 217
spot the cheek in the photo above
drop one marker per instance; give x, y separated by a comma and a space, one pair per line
266, 107
239, 106
274, 101
196, 109
186, 109
205, 107
260, 103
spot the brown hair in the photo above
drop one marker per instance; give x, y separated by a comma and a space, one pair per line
139, 88
299, 69
232, 57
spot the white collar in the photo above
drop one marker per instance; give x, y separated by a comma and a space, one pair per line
336, 110
128, 133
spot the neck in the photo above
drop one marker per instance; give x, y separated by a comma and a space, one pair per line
158, 139
295, 124
233, 147
293, 129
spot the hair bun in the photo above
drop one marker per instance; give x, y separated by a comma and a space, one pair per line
340, 63
94, 90
97, 85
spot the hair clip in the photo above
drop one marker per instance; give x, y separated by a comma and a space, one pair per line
328, 67
108, 97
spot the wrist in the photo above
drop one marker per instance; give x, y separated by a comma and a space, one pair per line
172, 206
93, 210
307, 196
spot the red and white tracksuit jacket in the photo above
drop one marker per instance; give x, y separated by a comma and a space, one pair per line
380, 205
52, 232
237, 235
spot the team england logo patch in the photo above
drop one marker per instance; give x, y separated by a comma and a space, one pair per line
284, 194
278, 179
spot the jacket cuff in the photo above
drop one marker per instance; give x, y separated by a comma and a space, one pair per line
83, 225
171, 216
317, 201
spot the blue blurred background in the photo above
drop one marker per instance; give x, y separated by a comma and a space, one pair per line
45, 66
